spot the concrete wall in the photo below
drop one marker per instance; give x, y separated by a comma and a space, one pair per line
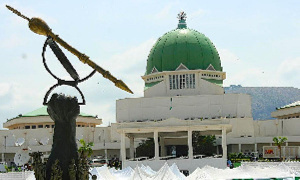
202, 106
277, 127
241, 127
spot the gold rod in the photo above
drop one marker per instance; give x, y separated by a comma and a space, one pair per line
39, 26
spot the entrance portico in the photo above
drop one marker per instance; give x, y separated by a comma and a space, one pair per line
171, 128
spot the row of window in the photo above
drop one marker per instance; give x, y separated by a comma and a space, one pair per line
290, 117
182, 81
154, 78
38, 126
52, 126
211, 75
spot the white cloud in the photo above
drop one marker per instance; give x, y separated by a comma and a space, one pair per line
18, 95
228, 56
127, 60
247, 74
131, 65
196, 14
164, 13
290, 66
289, 71
4, 88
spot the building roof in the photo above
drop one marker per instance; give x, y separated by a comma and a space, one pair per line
297, 103
183, 46
43, 112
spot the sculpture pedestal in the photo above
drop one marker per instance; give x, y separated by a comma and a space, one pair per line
63, 110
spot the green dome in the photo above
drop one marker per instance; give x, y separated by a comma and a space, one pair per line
183, 45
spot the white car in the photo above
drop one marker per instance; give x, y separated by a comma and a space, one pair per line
97, 162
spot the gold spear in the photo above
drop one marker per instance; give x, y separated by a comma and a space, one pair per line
39, 26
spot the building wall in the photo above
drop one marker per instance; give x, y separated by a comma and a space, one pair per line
277, 127
101, 136
182, 107
241, 127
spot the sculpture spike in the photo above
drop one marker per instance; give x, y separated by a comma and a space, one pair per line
17, 12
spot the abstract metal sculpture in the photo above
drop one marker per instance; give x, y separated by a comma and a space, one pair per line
63, 162
69, 68
39, 26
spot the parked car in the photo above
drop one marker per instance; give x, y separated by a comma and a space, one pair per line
97, 162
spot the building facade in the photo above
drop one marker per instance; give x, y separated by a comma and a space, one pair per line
183, 93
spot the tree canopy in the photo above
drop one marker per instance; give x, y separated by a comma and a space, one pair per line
203, 144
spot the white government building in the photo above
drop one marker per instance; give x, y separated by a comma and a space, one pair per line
183, 93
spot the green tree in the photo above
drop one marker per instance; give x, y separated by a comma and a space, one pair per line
203, 144
146, 148
86, 149
278, 141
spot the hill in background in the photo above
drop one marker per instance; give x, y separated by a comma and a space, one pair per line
266, 99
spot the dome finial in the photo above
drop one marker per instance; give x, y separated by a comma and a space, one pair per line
182, 20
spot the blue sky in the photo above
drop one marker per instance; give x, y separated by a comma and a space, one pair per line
258, 42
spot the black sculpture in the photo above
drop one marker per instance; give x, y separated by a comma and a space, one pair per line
63, 110
64, 163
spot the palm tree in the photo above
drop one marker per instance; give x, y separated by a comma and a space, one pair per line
86, 149
279, 142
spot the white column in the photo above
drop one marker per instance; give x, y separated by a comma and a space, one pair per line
156, 145
255, 147
190, 144
123, 149
286, 143
240, 147
131, 147
4, 150
105, 152
162, 146
224, 143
